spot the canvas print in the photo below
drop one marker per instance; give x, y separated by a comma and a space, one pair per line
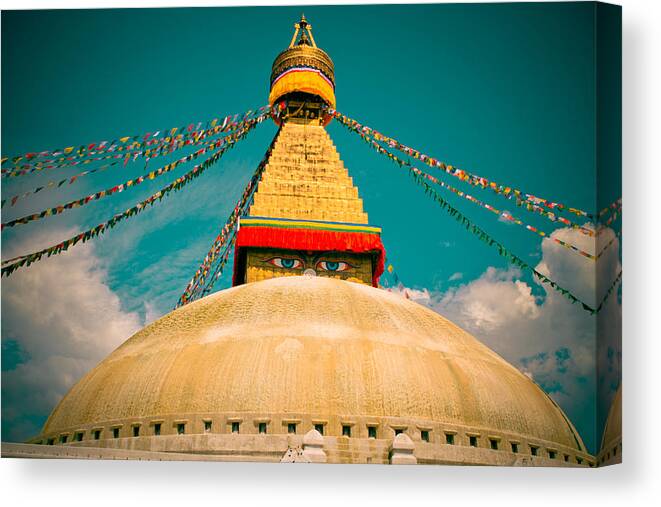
385, 234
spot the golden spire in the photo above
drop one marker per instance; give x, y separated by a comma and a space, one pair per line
303, 68
306, 216
305, 179
305, 29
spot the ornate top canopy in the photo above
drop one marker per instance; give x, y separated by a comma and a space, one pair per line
303, 67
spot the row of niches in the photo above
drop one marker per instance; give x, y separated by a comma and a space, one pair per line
297, 145
302, 148
291, 171
313, 204
323, 186
314, 137
421, 432
338, 177
309, 153
293, 133
613, 452
273, 185
303, 138
309, 157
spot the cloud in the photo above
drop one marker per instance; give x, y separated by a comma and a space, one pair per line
151, 313
455, 276
540, 331
422, 296
480, 302
60, 318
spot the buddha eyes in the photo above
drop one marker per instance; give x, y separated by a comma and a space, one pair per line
286, 262
295, 263
333, 266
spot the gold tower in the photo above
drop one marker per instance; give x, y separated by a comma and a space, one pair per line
307, 216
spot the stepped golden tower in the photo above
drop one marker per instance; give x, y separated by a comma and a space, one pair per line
307, 216
305, 358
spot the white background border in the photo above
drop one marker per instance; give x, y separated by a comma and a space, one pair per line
636, 482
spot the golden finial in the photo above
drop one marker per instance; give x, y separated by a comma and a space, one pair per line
314, 74
305, 29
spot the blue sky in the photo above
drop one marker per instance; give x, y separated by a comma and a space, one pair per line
506, 91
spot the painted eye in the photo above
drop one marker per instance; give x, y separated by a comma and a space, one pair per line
333, 266
286, 262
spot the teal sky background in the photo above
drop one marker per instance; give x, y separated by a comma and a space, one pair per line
503, 90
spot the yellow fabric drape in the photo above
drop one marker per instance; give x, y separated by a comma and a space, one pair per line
303, 81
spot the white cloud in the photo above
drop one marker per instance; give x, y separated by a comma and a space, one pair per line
421, 296
151, 313
65, 319
546, 336
455, 276
480, 302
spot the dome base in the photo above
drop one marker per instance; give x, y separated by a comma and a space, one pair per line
266, 436
283, 356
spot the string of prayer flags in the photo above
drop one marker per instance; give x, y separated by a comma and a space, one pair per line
610, 290
420, 178
140, 144
615, 210
475, 181
506, 215
503, 215
528, 201
614, 207
11, 265
56, 184
617, 235
76, 177
119, 155
224, 142
219, 268
504, 252
198, 280
192, 290
390, 269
